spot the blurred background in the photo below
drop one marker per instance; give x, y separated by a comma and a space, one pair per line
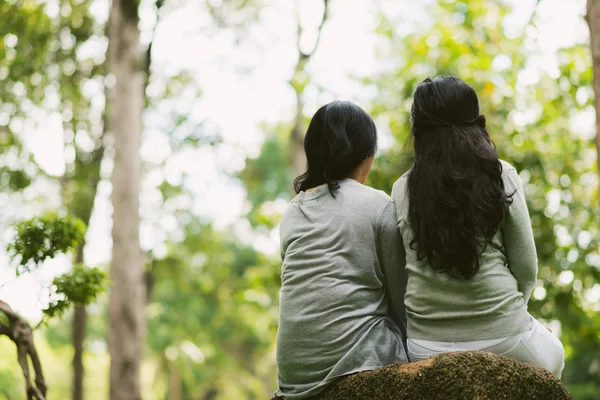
229, 87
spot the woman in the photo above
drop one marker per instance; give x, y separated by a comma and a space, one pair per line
470, 253
340, 247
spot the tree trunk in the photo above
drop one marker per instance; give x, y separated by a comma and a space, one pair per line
78, 337
593, 19
174, 392
127, 296
81, 206
298, 156
80, 203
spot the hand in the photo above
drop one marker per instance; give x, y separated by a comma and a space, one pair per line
549, 329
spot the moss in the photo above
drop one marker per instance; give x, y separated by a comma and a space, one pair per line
470, 375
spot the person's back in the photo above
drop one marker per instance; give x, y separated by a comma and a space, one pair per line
470, 251
343, 278
489, 305
334, 315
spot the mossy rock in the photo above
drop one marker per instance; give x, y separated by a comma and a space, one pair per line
470, 375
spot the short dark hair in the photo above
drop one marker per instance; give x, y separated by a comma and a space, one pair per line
340, 136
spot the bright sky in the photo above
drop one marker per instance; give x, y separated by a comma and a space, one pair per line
241, 87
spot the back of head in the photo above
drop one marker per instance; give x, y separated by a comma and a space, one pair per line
340, 136
456, 193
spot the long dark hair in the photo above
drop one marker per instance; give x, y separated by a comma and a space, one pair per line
457, 199
340, 136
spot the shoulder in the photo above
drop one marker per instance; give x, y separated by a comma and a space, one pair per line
399, 188
287, 214
402, 181
506, 167
368, 194
383, 209
290, 214
510, 176
369, 202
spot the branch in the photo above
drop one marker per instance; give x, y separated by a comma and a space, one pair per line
533, 13
9, 282
159, 4
19, 331
298, 82
305, 56
5, 308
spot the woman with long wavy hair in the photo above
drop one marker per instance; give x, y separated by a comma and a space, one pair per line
342, 278
470, 251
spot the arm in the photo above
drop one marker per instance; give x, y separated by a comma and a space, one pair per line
518, 237
392, 259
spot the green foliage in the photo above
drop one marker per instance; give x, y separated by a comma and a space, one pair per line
212, 314
40, 238
11, 378
236, 14
583, 391
41, 66
14, 179
22, 56
81, 286
269, 176
4, 319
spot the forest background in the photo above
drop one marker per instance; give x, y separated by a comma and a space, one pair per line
197, 110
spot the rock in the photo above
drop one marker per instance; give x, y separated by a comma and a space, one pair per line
471, 375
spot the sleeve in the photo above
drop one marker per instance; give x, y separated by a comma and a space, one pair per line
392, 259
518, 237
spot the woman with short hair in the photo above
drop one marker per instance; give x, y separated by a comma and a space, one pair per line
343, 281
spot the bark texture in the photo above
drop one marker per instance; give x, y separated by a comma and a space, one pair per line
78, 337
593, 19
127, 295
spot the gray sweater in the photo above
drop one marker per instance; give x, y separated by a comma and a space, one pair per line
342, 257
492, 304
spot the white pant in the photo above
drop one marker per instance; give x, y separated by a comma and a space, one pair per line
537, 346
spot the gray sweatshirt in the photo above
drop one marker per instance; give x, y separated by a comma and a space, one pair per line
343, 284
493, 303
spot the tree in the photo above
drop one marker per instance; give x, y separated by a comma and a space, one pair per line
214, 314
298, 82
35, 241
84, 133
593, 20
18, 330
26, 43
85, 181
127, 297
43, 58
